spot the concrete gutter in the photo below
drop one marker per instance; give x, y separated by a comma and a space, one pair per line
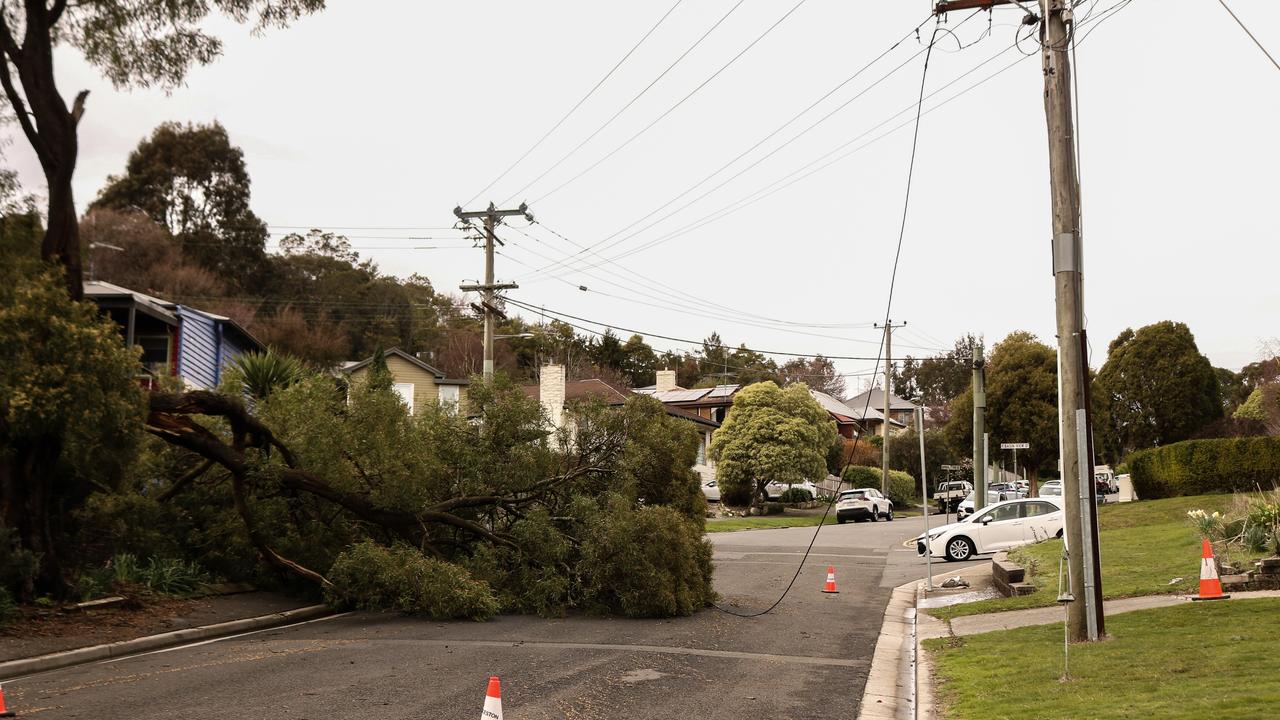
67, 658
890, 693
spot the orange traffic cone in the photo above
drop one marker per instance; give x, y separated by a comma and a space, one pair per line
830, 587
492, 701
1210, 585
4, 711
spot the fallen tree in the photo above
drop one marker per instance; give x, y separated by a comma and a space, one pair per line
527, 511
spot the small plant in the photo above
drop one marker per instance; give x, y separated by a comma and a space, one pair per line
163, 575
1210, 526
795, 495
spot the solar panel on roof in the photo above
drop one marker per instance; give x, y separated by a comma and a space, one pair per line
682, 395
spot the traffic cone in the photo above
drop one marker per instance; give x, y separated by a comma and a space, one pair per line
492, 701
4, 711
830, 587
1210, 585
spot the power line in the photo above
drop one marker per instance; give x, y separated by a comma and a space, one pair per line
629, 103
758, 143
577, 105
1248, 32
561, 315
680, 102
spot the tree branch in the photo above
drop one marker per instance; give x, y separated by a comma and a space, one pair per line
187, 478
20, 109
55, 12
77, 107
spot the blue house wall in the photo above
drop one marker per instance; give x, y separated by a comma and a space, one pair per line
199, 348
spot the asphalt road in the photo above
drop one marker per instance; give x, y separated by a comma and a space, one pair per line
808, 658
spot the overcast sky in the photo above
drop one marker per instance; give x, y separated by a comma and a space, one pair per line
383, 116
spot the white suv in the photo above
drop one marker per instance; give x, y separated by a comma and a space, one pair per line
863, 504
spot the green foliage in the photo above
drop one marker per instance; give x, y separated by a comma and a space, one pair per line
657, 463
1196, 467
369, 576
1263, 405
1022, 402
163, 575
903, 489
904, 454
939, 379
1155, 389
772, 435
113, 523
258, 374
795, 495
652, 562
18, 565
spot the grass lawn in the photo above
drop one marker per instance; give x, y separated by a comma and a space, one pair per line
1144, 545
792, 518
1193, 661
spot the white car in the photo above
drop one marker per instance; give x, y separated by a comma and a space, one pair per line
1051, 488
998, 527
774, 490
712, 490
966, 507
863, 504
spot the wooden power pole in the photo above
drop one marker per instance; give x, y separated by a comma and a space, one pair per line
888, 390
1085, 618
492, 217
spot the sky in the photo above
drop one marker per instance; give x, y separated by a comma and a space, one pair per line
376, 120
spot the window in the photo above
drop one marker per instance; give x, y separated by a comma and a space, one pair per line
405, 391
1002, 513
1040, 508
448, 394
702, 449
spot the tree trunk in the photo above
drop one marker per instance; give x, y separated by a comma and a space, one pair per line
27, 480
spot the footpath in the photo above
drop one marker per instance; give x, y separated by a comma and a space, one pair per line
59, 637
900, 683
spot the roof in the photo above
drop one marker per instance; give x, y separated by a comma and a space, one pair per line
718, 395
158, 308
352, 366
877, 400
612, 393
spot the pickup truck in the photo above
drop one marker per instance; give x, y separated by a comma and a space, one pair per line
949, 495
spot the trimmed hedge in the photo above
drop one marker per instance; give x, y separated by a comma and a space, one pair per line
902, 487
1198, 467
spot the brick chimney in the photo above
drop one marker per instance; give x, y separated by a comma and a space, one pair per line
666, 381
551, 393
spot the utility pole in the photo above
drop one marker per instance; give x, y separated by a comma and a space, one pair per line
1085, 617
492, 217
888, 385
979, 429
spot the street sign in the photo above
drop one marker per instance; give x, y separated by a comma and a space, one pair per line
1015, 446
952, 467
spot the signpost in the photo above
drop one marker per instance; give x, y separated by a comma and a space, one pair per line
1015, 447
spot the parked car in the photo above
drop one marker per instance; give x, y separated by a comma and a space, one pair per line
863, 504
949, 495
774, 490
1051, 488
712, 490
966, 507
998, 527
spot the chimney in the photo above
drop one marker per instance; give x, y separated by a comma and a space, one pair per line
551, 393
666, 381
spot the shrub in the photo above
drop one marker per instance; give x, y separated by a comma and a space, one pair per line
7, 607
17, 566
369, 576
902, 487
1198, 467
796, 495
736, 495
163, 575
647, 563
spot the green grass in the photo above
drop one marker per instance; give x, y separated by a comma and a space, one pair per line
1143, 546
1193, 661
766, 521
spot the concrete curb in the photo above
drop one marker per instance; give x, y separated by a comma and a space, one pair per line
890, 693
67, 658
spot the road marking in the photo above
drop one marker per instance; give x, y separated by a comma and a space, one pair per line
658, 649
220, 639
740, 555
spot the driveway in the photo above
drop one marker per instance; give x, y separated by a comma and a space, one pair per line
807, 658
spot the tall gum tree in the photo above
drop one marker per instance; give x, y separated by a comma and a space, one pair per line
135, 43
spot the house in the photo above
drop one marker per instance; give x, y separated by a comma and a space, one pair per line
851, 421
418, 383
711, 403
176, 339
555, 394
901, 412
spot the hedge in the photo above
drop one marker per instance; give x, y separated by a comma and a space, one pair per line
1198, 467
902, 487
